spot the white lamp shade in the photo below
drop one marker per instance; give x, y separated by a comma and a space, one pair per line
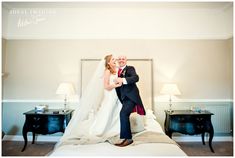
170, 89
65, 89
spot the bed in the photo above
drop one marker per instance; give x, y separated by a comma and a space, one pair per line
141, 148
150, 141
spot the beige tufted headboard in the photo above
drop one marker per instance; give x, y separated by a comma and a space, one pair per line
143, 67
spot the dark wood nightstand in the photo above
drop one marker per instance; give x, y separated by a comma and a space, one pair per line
189, 122
45, 123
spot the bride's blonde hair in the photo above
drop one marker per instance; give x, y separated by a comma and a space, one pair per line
107, 59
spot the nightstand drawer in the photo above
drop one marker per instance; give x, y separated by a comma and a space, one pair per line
55, 123
35, 119
181, 119
199, 119
185, 128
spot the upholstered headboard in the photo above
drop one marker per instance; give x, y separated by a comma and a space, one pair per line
144, 68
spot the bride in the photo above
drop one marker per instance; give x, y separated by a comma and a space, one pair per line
107, 120
97, 117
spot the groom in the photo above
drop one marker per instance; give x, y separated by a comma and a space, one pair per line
129, 96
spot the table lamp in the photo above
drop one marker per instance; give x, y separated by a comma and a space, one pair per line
170, 89
65, 89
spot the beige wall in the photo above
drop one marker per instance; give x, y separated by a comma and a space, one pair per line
201, 68
3, 54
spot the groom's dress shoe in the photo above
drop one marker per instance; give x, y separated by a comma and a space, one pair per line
118, 144
126, 143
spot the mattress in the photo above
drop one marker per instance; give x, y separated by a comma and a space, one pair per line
107, 149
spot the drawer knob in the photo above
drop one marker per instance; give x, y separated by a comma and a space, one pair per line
36, 126
200, 126
36, 118
181, 118
199, 119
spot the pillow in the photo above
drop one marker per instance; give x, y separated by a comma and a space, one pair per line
150, 115
136, 122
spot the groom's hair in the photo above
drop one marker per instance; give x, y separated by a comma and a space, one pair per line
122, 56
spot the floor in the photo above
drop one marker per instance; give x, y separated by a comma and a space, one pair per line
13, 148
198, 149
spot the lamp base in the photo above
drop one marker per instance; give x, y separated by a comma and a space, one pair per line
170, 110
65, 110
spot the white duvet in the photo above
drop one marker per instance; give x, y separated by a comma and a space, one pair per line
107, 149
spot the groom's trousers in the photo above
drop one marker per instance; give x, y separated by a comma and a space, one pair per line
127, 108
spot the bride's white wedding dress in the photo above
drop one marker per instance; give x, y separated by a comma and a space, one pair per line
106, 122
99, 125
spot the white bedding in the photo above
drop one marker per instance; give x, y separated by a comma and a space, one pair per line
107, 149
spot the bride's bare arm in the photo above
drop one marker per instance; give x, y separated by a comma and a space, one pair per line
108, 86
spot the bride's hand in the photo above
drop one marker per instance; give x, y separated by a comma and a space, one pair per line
118, 84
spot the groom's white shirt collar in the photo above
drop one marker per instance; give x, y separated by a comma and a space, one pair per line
123, 67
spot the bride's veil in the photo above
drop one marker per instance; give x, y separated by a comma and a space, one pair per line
90, 101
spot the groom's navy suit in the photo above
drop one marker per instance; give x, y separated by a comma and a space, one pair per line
129, 96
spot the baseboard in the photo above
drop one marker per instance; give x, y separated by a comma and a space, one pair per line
47, 138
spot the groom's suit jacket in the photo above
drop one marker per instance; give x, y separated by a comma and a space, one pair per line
130, 90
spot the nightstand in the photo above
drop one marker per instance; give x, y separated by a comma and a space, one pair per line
45, 123
189, 122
